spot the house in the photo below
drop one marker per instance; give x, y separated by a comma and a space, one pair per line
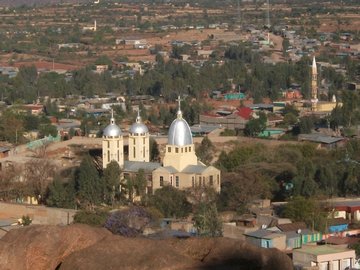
347, 209
227, 119
266, 239
324, 257
101, 68
272, 133
337, 225
323, 141
33, 109
204, 53
298, 234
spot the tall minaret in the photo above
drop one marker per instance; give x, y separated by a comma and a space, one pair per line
314, 87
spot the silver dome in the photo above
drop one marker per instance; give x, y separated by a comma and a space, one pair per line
138, 127
179, 132
112, 130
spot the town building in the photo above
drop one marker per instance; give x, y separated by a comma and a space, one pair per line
324, 257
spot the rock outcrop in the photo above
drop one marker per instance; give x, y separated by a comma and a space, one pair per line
83, 247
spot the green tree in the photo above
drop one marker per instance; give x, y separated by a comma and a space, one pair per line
255, 126
154, 150
171, 202
111, 179
306, 210
140, 183
46, 130
205, 150
89, 186
206, 220
60, 194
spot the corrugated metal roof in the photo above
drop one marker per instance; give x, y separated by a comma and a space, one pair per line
265, 234
135, 166
320, 138
259, 233
292, 226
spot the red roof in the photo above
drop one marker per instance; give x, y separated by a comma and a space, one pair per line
244, 112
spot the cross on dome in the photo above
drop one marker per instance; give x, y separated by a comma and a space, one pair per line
179, 113
138, 118
112, 120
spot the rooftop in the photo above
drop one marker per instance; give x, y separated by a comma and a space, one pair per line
322, 250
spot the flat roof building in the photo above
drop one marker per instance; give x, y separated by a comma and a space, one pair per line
325, 257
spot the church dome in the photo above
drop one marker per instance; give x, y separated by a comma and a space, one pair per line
138, 127
112, 130
179, 132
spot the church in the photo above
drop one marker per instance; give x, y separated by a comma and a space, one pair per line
180, 167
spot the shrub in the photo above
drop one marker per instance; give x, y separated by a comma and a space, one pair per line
93, 218
130, 222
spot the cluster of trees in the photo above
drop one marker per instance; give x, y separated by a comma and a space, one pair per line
88, 190
14, 123
242, 67
280, 172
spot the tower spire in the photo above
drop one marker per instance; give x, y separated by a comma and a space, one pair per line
179, 113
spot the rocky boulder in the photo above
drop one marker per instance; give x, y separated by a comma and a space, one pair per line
82, 247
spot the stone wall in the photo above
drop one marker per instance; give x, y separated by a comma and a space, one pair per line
39, 214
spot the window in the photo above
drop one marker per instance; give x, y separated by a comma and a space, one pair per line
177, 181
118, 144
204, 181
144, 152
176, 150
108, 144
193, 181
185, 149
199, 181
211, 180
190, 149
134, 151
118, 154
108, 156
161, 181
171, 180
169, 149
218, 179
143, 140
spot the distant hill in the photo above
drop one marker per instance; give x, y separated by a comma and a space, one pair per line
14, 3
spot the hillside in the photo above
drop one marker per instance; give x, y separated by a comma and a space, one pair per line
83, 247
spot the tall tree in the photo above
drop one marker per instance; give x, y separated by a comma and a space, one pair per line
89, 187
111, 179
171, 202
38, 174
205, 150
